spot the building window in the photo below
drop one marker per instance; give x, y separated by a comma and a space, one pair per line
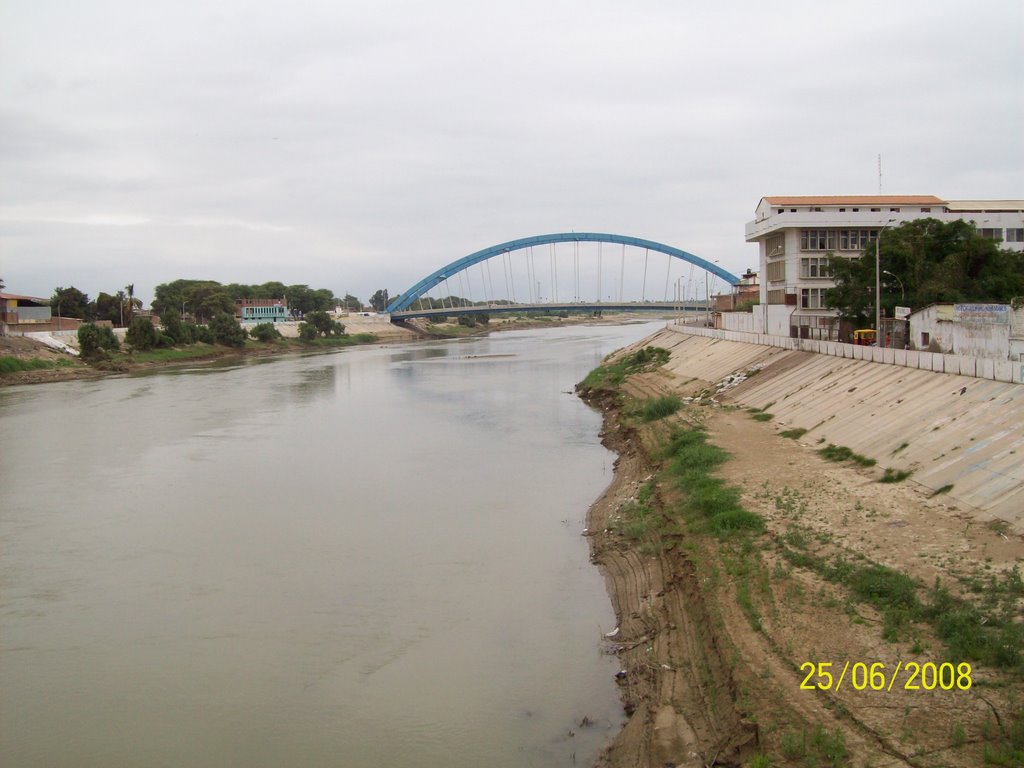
792, 210
991, 234
775, 246
816, 210
876, 210
1015, 235
780, 210
777, 270
815, 267
812, 298
817, 239
925, 339
926, 210
855, 210
856, 239
894, 210
842, 210
777, 296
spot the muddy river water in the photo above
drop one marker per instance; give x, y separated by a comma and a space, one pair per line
367, 558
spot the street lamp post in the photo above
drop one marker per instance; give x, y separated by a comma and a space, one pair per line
878, 281
679, 298
903, 294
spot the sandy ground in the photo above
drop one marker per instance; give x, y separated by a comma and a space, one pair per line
705, 686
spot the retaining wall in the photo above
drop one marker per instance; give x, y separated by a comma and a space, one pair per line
1010, 372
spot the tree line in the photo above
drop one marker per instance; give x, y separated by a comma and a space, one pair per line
199, 299
926, 261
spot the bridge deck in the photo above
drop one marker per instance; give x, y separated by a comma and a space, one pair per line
620, 306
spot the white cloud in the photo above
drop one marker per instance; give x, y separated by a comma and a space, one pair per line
355, 145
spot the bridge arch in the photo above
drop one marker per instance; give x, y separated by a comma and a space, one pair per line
406, 299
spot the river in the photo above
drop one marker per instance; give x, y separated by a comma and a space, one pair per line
367, 558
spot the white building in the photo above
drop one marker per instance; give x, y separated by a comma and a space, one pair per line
794, 234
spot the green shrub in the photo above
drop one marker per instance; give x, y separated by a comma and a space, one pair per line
842, 453
94, 339
141, 334
895, 476
660, 407
794, 434
264, 332
307, 332
226, 330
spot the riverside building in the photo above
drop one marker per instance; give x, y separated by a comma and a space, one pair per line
796, 234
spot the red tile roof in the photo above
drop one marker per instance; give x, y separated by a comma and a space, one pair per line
867, 200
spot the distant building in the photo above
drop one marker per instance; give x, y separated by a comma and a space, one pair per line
746, 291
261, 310
794, 234
25, 314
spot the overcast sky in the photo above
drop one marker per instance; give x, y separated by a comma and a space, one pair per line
357, 145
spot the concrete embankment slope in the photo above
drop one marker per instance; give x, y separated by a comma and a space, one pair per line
948, 430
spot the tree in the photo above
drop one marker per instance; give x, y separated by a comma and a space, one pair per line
934, 261
351, 303
325, 324
130, 289
141, 334
70, 302
227, 331
379, 300
176, 330
107, 307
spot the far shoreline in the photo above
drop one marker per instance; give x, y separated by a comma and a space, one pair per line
65, 368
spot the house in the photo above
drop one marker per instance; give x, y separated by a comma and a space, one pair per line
795, 234
27, 314
746, 291
994, 331
261, 310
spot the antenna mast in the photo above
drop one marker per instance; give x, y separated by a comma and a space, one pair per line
879, 173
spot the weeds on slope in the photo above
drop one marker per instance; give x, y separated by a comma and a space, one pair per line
609, 375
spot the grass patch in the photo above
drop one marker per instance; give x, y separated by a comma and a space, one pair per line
636, 518
902, 446
168, 354
691, 460
659, 407
763, 416
985, 630
814, 746
794, 434
611, 375
842, 453
342, 341
895, 476
9, 364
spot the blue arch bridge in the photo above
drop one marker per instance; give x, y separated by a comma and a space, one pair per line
565, 271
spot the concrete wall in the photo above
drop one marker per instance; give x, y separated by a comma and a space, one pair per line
997, 370
949, 429
746, 322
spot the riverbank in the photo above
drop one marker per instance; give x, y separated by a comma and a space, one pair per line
31, 362
735, 631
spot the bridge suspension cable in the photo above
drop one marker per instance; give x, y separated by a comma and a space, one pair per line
622, 272
668, 271
643, 291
